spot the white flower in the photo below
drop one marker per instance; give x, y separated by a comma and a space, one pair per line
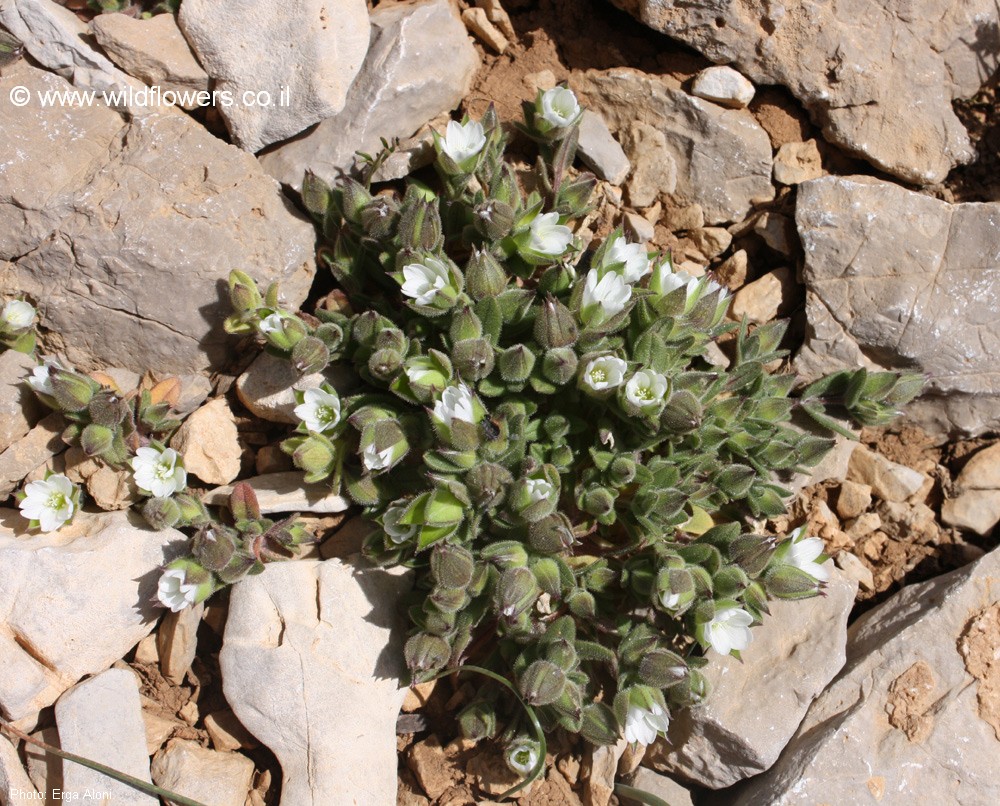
456, 403
803, 553
463, 140
422, 282
18, 315
41, 378
632, 255
605, 372
319, 410
646, 389
174, 591
397, 532
374, 459
50, 502
538, 489
559, 107
669, 600
159, 473
270, 323
522, 757
604, 297
729, 630
666, 279
548, 236
641, 725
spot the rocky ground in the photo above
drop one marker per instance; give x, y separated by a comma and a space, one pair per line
841, 171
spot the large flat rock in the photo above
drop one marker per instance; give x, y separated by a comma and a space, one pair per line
878, 77
900, 280
123, 234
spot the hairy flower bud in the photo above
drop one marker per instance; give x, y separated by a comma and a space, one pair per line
465, 325
243, 293
487, 484
214, 546
161, 513
597, 501
96, 439
752, 552
559, 365
789, 582
516, 363
582, 603
505, 554
72, 391
385, 364
517, 590
473, 359
478, 720
452, 566
310, 355
354, 198
555, 325
551, 535
600, 727
493, 219
662, 668
426, 654
484, 276
420, 225
542, 683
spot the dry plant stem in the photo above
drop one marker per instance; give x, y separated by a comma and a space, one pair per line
128, 780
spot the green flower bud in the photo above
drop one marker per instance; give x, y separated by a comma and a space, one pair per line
385, 364
331, 334
662, 668
693, 692
96, 439
379, 217
426, 655
354, 198
465, 325
72, 391
573, 196
546, 571
243, 293
487, 483
214, 546
559, 365
682, 413
478, 720
555, 325
542, 683
310, 355
315, 195
517, 591
789, 582
315, 455
161, 513
452, 566
505, 554
473, 359
420, 225
484, 276
516, 363
752, 552
598, 501
553, 534
107, 409
600, 727
622, 470
366, 327
193, 511
675, 589
582, 603
283, 331
493, 219
448, 600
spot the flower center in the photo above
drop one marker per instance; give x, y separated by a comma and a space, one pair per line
644, 393
598, 375
55, 501
163, 471
326, 415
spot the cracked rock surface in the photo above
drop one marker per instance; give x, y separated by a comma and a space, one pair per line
900, 280
914, 717
123, 234
878, 77
311, 665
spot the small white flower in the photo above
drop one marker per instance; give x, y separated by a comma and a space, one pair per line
159, 473
632, 255
559, 107
18, 315
374, 459
538, 489
604, 297
548, 236
41, 378
456, 403
606, 372
667, 280
397, 532
669, 600
270, 323
319, 410
803, 553
642, 725
174, 591
729, 630
463, 140
50, 502
522, 757
423, 281
646, 389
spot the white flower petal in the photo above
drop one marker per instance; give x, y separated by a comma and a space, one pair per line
463, 141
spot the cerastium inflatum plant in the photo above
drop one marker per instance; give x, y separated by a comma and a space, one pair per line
539, 435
